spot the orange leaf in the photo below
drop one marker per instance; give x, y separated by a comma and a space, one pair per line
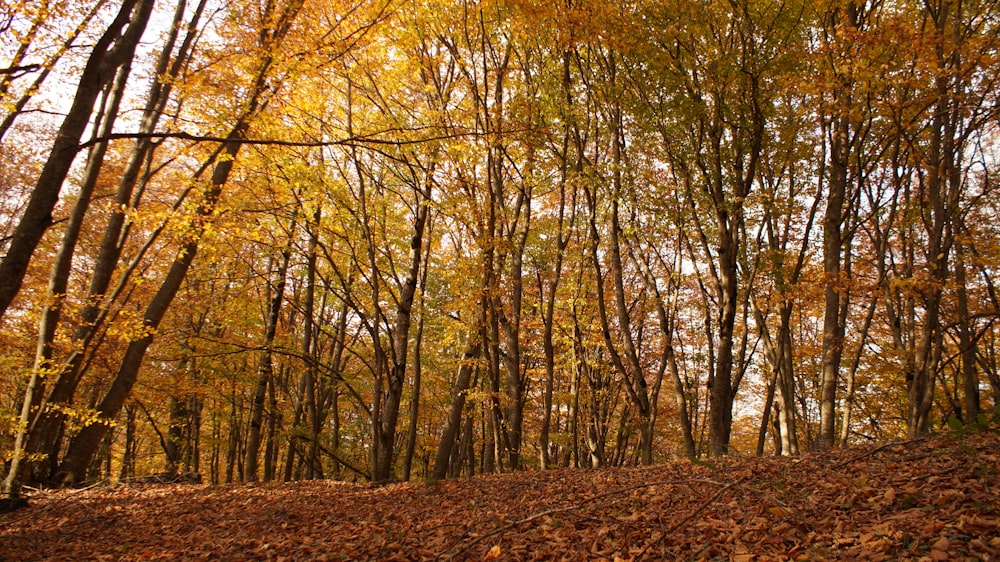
493, 554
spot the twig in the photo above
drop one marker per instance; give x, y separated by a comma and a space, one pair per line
589, 500
876, 450
689, 517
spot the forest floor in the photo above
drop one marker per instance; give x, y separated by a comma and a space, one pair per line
936, 498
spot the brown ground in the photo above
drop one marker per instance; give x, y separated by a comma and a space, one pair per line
932, 499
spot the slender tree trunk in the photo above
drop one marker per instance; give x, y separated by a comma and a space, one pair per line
833, 332
627, 361
549, 299
966, 341
393, 393
572, 456
778, 356
548, 348
848, 409
128, 456
786, 382
265, 372
270, 443
306, 399
446, 445
411, 434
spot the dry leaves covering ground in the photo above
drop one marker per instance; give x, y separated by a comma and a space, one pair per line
930, 499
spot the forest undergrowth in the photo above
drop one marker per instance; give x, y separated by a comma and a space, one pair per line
934, 498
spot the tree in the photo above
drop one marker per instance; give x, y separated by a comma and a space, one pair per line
84, 444
114, 49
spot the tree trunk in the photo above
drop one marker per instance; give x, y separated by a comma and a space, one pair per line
411, 434
627, 361
845, 424
385, 441
833, 331
85, 444
721, 384
175, 438
446, 445
966, 341
936, 201
266, 370
306, 399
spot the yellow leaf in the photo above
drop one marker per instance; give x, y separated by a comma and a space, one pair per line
493, 554
778, 511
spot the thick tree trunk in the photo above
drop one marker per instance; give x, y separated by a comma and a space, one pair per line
721, 393
414, 412
174, 444
833, 331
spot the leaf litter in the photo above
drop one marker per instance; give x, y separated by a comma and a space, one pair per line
935, 498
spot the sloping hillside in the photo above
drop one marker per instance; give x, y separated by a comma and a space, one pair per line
932, 499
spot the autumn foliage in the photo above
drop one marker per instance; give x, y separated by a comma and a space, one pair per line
382, 241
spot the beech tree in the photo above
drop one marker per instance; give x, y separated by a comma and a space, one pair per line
115, 48
382, 240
